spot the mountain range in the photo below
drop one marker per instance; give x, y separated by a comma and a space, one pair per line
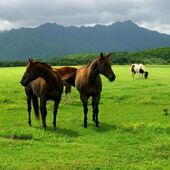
50, 40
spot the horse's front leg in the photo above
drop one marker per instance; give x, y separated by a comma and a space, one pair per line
133, 75
43, 111
85, 114
67, 92
84, 99
97, 112
28, 92
56, 103
29, 109
95, 103
94, 114
138, 75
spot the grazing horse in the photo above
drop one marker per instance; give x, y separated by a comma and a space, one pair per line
40, 80
140, 69
64, 72
88, 83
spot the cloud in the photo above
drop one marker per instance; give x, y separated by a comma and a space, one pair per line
153, 14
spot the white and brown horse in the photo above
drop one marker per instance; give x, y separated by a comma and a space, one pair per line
140, 69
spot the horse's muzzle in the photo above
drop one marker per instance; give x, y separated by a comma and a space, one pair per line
22, 83
112, 78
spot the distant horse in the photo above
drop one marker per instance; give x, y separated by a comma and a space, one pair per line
140, 69
64, 72
40, 80
88, 83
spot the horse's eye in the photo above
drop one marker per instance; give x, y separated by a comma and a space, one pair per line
27, 73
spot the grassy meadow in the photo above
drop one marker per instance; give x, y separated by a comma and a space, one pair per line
134, 131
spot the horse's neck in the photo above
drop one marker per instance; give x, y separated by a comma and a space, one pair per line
93, 71
50, 76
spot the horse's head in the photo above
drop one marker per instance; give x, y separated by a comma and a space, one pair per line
146, 74
104, 66
31, 73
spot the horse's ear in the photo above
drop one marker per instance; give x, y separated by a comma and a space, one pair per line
30, 60
108, 55
101, 55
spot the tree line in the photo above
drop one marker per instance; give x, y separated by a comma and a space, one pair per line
151, 56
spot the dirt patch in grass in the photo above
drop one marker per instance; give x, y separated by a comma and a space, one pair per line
17, 137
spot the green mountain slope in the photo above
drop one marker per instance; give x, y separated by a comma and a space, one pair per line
50, 40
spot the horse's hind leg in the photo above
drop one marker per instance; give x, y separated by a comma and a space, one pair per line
43, 112
35, 105
56, 103
84, 99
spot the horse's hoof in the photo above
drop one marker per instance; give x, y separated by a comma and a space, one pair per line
85, 126
44, 127
29, 124
97, 126
55, 128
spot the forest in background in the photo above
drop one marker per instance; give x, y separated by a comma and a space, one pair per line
150, 56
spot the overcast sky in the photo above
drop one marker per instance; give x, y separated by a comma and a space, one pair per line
151, 14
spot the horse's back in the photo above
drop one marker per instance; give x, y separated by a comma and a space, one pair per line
67, 74
142, 67
136, 67
66, 70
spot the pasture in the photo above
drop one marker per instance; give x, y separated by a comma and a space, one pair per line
133, 133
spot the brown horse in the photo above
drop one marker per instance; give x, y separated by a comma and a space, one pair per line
64, 72
40, 80
88, 83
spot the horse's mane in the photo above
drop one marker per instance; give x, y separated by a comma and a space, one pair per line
92, 62
43, 63
46, 65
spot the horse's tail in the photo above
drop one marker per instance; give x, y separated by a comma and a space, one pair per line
36, 106
67, 88
70, 78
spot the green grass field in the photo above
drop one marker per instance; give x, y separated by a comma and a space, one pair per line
134, 131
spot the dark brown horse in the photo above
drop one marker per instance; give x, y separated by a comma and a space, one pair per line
64, 73
88, 83
40, 80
